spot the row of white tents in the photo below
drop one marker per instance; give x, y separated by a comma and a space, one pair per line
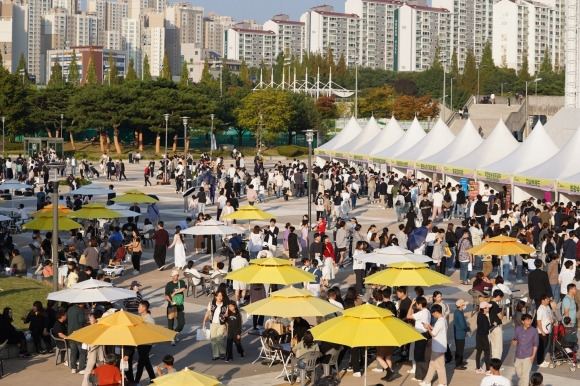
536, 167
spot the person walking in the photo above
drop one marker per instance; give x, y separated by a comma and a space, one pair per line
233, 321
495, 320
545, 321
482, 338
438, 347
161, 238
143, 350
136, 251
174, 295
179, 244
146, 174
526, 341
460, 330
215, 313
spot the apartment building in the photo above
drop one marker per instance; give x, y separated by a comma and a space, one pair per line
252, 45
289, 35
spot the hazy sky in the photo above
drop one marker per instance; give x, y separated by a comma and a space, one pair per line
262, 10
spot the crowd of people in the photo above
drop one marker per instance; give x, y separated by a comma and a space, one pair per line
435, 219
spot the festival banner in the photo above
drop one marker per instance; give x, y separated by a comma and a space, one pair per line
494, 177
401, 163
428, 167
337, 154
458, 171
321, 152
540, 183
568, 187
357, 157
379, 160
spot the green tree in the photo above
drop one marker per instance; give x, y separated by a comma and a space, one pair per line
73, 70
524, 73
13, 103
56, 78
22, 66
226, 74
112, 73
91, 78
454, 68
244, 73
304, 115
274, 107
184, 77
546, 66
166, 71
379, 102
146, 75
340, 74
436, 64
469, 78
131, 74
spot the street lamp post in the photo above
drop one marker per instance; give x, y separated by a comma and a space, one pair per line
444, 93
211, 139
3, 136
260, 135
54, 241
22, 72
166, 116
185, 136
527, 125
309, 139
451, 97
61, 118
501, 92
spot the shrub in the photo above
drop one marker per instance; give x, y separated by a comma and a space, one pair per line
80, 182
292, 151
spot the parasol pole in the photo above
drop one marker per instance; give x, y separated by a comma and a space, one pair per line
366, 365
123, 367
211, 248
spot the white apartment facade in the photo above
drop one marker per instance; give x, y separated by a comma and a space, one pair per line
289, 35
341, 32
253, 46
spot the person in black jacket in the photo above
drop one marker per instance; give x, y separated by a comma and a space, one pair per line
538, 283
460, 203
479, 211
233, 321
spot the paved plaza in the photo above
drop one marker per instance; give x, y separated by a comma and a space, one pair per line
197, 355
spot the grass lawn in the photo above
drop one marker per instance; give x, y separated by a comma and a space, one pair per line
19, 293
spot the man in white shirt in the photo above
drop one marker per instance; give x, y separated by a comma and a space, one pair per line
438, 347
437, 205
239, 262
23, 215
545, 322
566, 277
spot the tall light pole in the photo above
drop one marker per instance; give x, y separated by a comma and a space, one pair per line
61, 118
260, 135
3, 136
479, 67
444, 91
527, 125
211, 140
22, 72
309, 139
501, 92
56, 166
166, 116
185, 136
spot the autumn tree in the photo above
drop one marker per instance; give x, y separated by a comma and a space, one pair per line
184, 77
131, 74
73, 70
91, 77
146, 71
378, 102
407, 107
166, 70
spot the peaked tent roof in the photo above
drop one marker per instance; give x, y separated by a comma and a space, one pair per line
388, 136
498, 144
368, 133
537, 148
350, 132
562, 164
467, 140
439, 137
412, 136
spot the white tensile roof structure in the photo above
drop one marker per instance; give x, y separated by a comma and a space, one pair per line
562, 164
368, 133
439, 137
411, 137
538, 147
497, 145
388, 136
350, 132
466, 141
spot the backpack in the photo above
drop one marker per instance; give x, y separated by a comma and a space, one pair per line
147, 170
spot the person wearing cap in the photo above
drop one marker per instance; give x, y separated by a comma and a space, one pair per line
461, 330
482, 338
526, 340
172, 288
133, 303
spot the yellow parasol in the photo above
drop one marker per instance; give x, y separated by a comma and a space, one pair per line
135, 196
44, 222
94, 211
501, 246
249, 212
122, 329
291, 302
364, 326
407, 274
270, 270
48, 209
187, 377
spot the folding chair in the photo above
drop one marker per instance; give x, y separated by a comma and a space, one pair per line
309, 359
189, 280
2, 347
332, 361
60, 345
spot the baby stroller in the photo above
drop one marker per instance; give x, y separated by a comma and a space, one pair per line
562, 351
94, 171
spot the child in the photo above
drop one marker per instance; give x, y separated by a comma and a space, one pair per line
314, 286
168, 362
233, 321
108, 373
261, 191
570, 335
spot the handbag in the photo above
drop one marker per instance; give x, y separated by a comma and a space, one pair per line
469, 267
83, 259
178, 298
202, 334
172, 312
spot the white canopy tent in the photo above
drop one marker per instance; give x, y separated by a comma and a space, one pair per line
350, 132
497, 145
563, 164
411, 137
466, 141
439, 137
537, 148
388, 136
368, 134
